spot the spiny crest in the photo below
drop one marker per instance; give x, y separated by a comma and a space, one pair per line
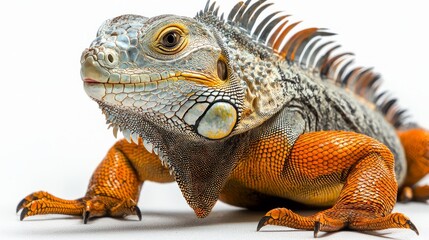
308, 49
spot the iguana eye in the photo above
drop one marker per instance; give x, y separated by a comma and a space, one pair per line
171, 40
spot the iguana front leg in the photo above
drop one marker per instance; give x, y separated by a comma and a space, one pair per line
362, 164
113, 190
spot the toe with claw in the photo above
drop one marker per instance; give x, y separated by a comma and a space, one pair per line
39, 203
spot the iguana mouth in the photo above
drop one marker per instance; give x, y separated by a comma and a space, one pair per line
186, 100
90, 80
138, 89
95, 69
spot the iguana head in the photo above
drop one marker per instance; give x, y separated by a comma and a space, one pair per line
187, 88
169, 69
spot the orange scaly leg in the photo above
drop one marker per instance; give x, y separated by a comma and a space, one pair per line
363, 165
113, 190
416, 146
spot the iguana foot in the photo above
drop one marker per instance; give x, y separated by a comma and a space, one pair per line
107, 206
421, 193
334, 219
39, 203
415, 193
416, 146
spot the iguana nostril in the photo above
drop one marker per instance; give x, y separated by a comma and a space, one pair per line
111, 58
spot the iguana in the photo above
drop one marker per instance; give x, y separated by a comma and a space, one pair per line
244, 113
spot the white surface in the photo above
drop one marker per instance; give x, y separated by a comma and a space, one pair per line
166, 216
53, 135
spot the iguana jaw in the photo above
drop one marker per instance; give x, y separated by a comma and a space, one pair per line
183, 105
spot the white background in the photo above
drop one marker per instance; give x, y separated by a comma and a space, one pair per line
53, 135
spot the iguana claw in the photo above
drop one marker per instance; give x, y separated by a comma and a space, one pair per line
23, 214
138, 212
20, 205
412, 227
316, 228
86, 215
263, 222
